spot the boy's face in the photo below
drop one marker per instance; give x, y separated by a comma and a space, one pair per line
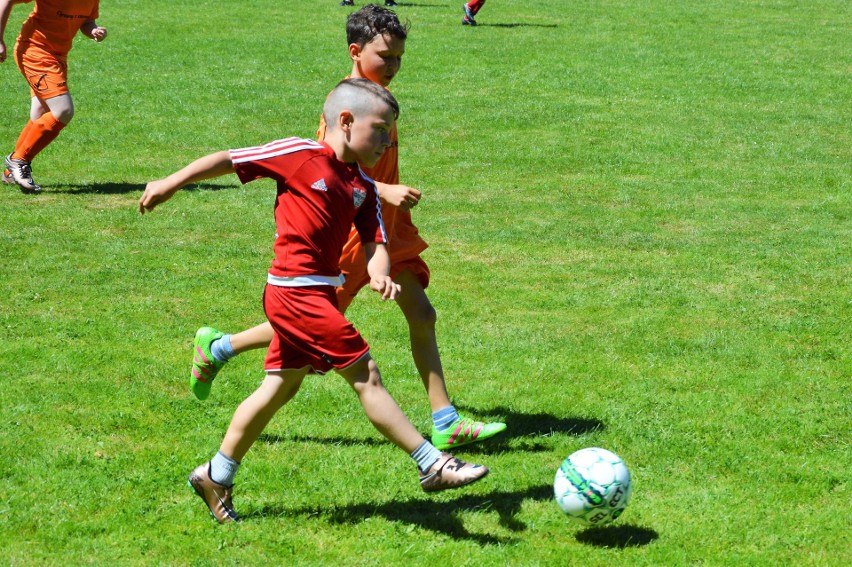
369, 134
379, 60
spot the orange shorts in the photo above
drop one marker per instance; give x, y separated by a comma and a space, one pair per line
46, 73
355, 281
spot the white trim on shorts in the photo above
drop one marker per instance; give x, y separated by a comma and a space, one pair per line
305, 281
315, 371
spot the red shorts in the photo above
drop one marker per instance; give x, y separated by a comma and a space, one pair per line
309, 330
46, 73
356, 280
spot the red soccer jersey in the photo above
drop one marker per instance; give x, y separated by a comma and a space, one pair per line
54, 23
404, 241
319, 198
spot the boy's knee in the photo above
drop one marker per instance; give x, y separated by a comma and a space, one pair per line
64, 115
279, 388
424, 316
374, 377
62, 107
363, 374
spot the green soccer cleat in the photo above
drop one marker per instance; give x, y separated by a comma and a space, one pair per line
465, 431
204, 366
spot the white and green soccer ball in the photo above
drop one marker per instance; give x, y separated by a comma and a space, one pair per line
592, 486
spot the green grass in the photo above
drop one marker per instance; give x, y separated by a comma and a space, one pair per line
639, 219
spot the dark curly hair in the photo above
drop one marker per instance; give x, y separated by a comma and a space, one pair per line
371, 21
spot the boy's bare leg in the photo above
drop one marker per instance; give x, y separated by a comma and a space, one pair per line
421, 317
438, 471
381, 409
252, 339
253, 415
449, 429
213, 480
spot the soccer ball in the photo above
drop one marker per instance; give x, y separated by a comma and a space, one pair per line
592, 486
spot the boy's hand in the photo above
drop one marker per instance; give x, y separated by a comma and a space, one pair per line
401, 196
156, 192
99, 34
384, 285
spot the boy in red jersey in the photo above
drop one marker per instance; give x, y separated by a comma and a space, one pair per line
41, 53
376, 41
322, 192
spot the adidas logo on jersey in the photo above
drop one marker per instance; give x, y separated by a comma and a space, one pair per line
320, 185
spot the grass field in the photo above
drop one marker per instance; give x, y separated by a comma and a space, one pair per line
639, 219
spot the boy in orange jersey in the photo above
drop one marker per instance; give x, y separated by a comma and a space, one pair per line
41, 53
376, 41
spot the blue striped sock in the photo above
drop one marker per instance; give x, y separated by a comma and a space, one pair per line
425, 455
444, 418
222, 350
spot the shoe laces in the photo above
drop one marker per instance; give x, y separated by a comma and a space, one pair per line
27, 171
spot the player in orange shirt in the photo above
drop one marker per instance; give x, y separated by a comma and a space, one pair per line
376, 45
41, 53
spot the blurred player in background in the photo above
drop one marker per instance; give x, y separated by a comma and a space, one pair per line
41, 53
471, 9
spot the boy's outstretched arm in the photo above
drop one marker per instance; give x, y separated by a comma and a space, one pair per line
378, 267
160, 191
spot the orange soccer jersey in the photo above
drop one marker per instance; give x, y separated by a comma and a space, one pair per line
404, 241
53, 24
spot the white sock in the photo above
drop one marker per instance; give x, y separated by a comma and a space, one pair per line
223, 469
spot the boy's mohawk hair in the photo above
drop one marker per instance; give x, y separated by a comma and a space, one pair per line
371, 21
357, 95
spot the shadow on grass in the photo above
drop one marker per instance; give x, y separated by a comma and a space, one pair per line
620, 536
521, 430
97, 188
341, 441
517, 25
439, 517
123, 188
419, 5
518, 424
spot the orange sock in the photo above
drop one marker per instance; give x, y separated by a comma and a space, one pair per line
36, 136
24, 133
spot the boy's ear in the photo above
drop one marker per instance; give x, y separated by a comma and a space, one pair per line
345, 120
354, 51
